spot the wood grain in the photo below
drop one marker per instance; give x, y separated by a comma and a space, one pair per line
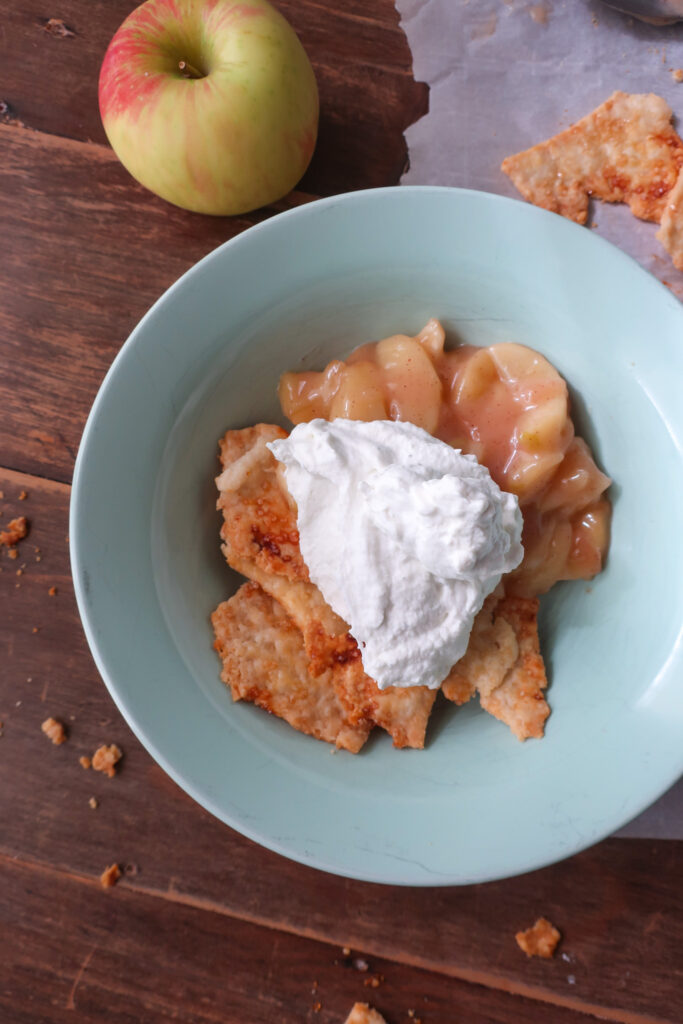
121, 956
619, 905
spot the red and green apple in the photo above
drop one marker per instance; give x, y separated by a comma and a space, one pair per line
212, 104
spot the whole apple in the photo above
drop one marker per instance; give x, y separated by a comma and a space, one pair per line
212, 104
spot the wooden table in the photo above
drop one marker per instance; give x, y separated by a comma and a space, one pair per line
206, 927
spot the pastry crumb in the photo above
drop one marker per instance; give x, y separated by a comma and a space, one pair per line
374, 982
84, 762
16, 531
23, 495
539, 940
677, 74
13, 553
105, 759
93, 802
110, 876
54, 730
52, 591
361, 1013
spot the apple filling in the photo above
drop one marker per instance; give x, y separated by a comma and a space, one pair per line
506, 405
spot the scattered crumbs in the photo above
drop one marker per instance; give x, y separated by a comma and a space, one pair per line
17, 585
39, 558
93, 802
110, 876
37, 551
52, 591
56, 27
317, 1007
374, 981
414, 1017
105, 758
16, 531
17, 704
35, 629
677, 74
571, 979
54, 730
314, 988
346, 951
29, 679
566, 957
13, 553
84, 762
20, 572
539, 940
359, 964
23, 495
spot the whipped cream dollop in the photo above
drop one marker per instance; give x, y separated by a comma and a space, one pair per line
404, 536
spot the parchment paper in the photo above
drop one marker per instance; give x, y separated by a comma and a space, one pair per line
506, 74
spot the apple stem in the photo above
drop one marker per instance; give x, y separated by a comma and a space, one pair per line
188, 70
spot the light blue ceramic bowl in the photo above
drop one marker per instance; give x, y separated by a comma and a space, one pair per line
292, 293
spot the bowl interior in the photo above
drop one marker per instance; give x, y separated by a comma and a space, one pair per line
294, 293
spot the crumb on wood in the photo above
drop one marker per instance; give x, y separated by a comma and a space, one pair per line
110, 876
93, 802
539, 940
677, 74
361, 1013
346, 951
84, 762
374, 981
54, 730
106, 758
23, 495
19, 572
56, 27
317, 1007
35, 629
13, 553
52, 591
16, 531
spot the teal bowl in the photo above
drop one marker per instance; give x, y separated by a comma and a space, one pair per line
292, 293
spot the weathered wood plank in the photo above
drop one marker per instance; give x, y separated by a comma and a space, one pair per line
619, 906
77, 952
